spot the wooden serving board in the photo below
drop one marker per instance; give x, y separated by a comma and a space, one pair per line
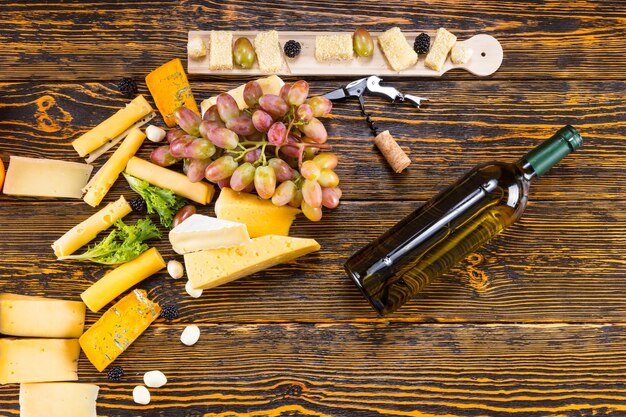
485, 61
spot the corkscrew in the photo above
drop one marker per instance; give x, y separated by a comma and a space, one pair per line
372, 84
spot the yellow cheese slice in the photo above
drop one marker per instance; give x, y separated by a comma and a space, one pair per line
100, 184
87, 230
120, 326
261, 217
23, 315
122, 278
200, 192
269, 85
58, 399
38, 360
212, 267
113, 126
45, 177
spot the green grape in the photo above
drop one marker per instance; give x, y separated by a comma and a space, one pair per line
162, 156
328, 178
309, 170
315, 131
326, 160
274, 105
241, 125
242, 177
265, 182
199, 149
282, 169
188, 120
312, 213
312, 193
330, 197
297, 199
321, 106
224, 138
243, 53
221, 168
297, 93
196, 169
285, 192
363, 43
310, 152
227, 107
252, 92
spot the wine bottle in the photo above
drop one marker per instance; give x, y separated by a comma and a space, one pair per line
446, 229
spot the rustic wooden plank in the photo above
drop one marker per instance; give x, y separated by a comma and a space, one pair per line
564, 261
107, 40
358, 370
460, 127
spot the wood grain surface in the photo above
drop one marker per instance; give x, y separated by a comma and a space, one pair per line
533, 324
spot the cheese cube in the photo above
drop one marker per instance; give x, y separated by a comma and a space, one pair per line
213, 267
397, 50
200, 232
461, 54
261, 217
334, 47
268, 52
22, 315
196, 48
58, 399
220, 50
444, 41
38, 360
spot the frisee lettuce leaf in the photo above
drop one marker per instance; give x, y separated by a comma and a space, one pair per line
121, 245
158, 200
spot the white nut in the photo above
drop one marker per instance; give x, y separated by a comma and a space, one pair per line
192, 291
141, 395
190, 335
175, 269
155, 133
154, 379
196, 48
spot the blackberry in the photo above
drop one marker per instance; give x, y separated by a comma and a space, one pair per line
292, 48
115, 373
138, 204
127, 87
422, 43
169, 312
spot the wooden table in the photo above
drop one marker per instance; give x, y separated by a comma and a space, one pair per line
534, 324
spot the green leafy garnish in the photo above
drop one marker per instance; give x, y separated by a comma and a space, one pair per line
158, 200
121, 245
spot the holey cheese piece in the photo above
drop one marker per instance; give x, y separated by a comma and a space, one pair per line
38, 360
200, 232
87, 230
261, 217
58, 399
23, 315
213, 267
46, 177
122, 278
269, 85
120, 326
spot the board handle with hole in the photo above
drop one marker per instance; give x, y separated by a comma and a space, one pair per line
485, 60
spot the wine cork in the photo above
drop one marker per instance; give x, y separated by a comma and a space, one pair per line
393, 153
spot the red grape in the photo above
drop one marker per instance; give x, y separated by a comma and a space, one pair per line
252, 92
162, 156
277, 135
221, 168
188, 120
274, 105
261, 120
298, 93
224, 138
227, 107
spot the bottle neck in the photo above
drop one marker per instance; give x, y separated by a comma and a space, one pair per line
539, 160
527, 170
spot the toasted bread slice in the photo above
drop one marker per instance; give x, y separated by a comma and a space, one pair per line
268, 51
220, 50
397, 50
333, 47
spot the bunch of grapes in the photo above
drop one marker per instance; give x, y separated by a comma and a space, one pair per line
272, 147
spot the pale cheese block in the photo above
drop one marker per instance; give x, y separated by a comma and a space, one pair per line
200, 192
87, 230
35, 177
213, 267
106, 176
397, 50
269, 85
23, 315
444, 41
38, 360
58, 399
268, 52
122, 278
334, 47
113, 126
220, 50
200, 232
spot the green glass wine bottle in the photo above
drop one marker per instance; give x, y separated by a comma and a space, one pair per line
446, 229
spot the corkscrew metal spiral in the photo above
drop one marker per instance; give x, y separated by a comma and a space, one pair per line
368, 118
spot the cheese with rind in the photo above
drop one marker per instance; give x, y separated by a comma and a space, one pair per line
58, 399
38, 360
23, 315
213, 267
87, 230
200, 232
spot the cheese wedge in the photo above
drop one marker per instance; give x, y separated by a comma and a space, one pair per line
120, 326
23, 315
113, 126
122, 278
86, 231
38, 360
58, 399
200, 192
200, 232
213, 267
269, 85
46, 177
261, 217
106, 176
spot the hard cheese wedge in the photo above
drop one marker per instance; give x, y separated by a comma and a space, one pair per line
269, 85
261, 217
118, 328
213, 267
58, 399
22, 315
200, 232
38, 360
46, 177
